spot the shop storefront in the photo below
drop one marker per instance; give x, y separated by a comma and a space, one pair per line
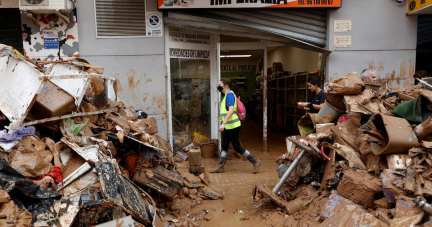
191, 61
198, 33
172, 75
422, 9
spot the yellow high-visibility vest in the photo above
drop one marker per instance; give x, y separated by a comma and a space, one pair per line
234, 121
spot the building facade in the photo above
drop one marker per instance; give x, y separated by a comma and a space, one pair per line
180, 49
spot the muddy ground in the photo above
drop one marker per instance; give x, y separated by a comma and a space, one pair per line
237, 183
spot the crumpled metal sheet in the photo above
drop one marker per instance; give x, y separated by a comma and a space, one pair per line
398, 133
20, 85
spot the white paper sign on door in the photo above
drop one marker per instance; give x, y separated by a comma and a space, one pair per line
342, 41
342, 25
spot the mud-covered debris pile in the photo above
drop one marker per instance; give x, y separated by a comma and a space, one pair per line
72, 154
363, 160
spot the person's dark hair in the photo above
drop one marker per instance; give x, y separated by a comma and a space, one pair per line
421, 74
313, 80
227, 81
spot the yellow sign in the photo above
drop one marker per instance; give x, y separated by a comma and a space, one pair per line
419, 6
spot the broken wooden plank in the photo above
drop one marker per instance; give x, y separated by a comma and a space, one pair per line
190, 180
16, 125
76, 76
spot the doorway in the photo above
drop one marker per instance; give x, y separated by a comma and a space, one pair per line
262, 71
248, 62
245, 69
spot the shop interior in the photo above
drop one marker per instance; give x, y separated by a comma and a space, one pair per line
288, 69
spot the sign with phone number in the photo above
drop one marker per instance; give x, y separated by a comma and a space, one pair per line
51, 40
212, 4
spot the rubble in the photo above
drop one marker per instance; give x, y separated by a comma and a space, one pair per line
360, 187
74, 155
368, 165
11, 214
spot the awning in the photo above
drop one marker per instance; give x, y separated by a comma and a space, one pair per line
419, 7
306, 29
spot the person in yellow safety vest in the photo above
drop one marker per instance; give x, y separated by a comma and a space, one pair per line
231, 127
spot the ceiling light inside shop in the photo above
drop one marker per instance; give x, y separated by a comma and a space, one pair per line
236, 56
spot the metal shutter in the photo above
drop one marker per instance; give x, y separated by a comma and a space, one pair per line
120, 18
305, 29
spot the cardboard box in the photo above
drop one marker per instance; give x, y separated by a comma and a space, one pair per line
53, 101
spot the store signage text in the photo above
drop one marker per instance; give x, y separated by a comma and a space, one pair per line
203, 4
302, 2
51, 40
237, 68
189, 53
189, 37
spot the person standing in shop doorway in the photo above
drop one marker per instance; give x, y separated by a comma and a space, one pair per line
230, 127
317, 99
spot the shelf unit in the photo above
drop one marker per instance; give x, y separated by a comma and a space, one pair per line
287, 91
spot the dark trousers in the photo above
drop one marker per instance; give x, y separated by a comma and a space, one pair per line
232, 136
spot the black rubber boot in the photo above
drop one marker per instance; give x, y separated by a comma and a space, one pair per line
222, 161
257, 163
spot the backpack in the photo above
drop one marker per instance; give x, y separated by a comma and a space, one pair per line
241, 110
